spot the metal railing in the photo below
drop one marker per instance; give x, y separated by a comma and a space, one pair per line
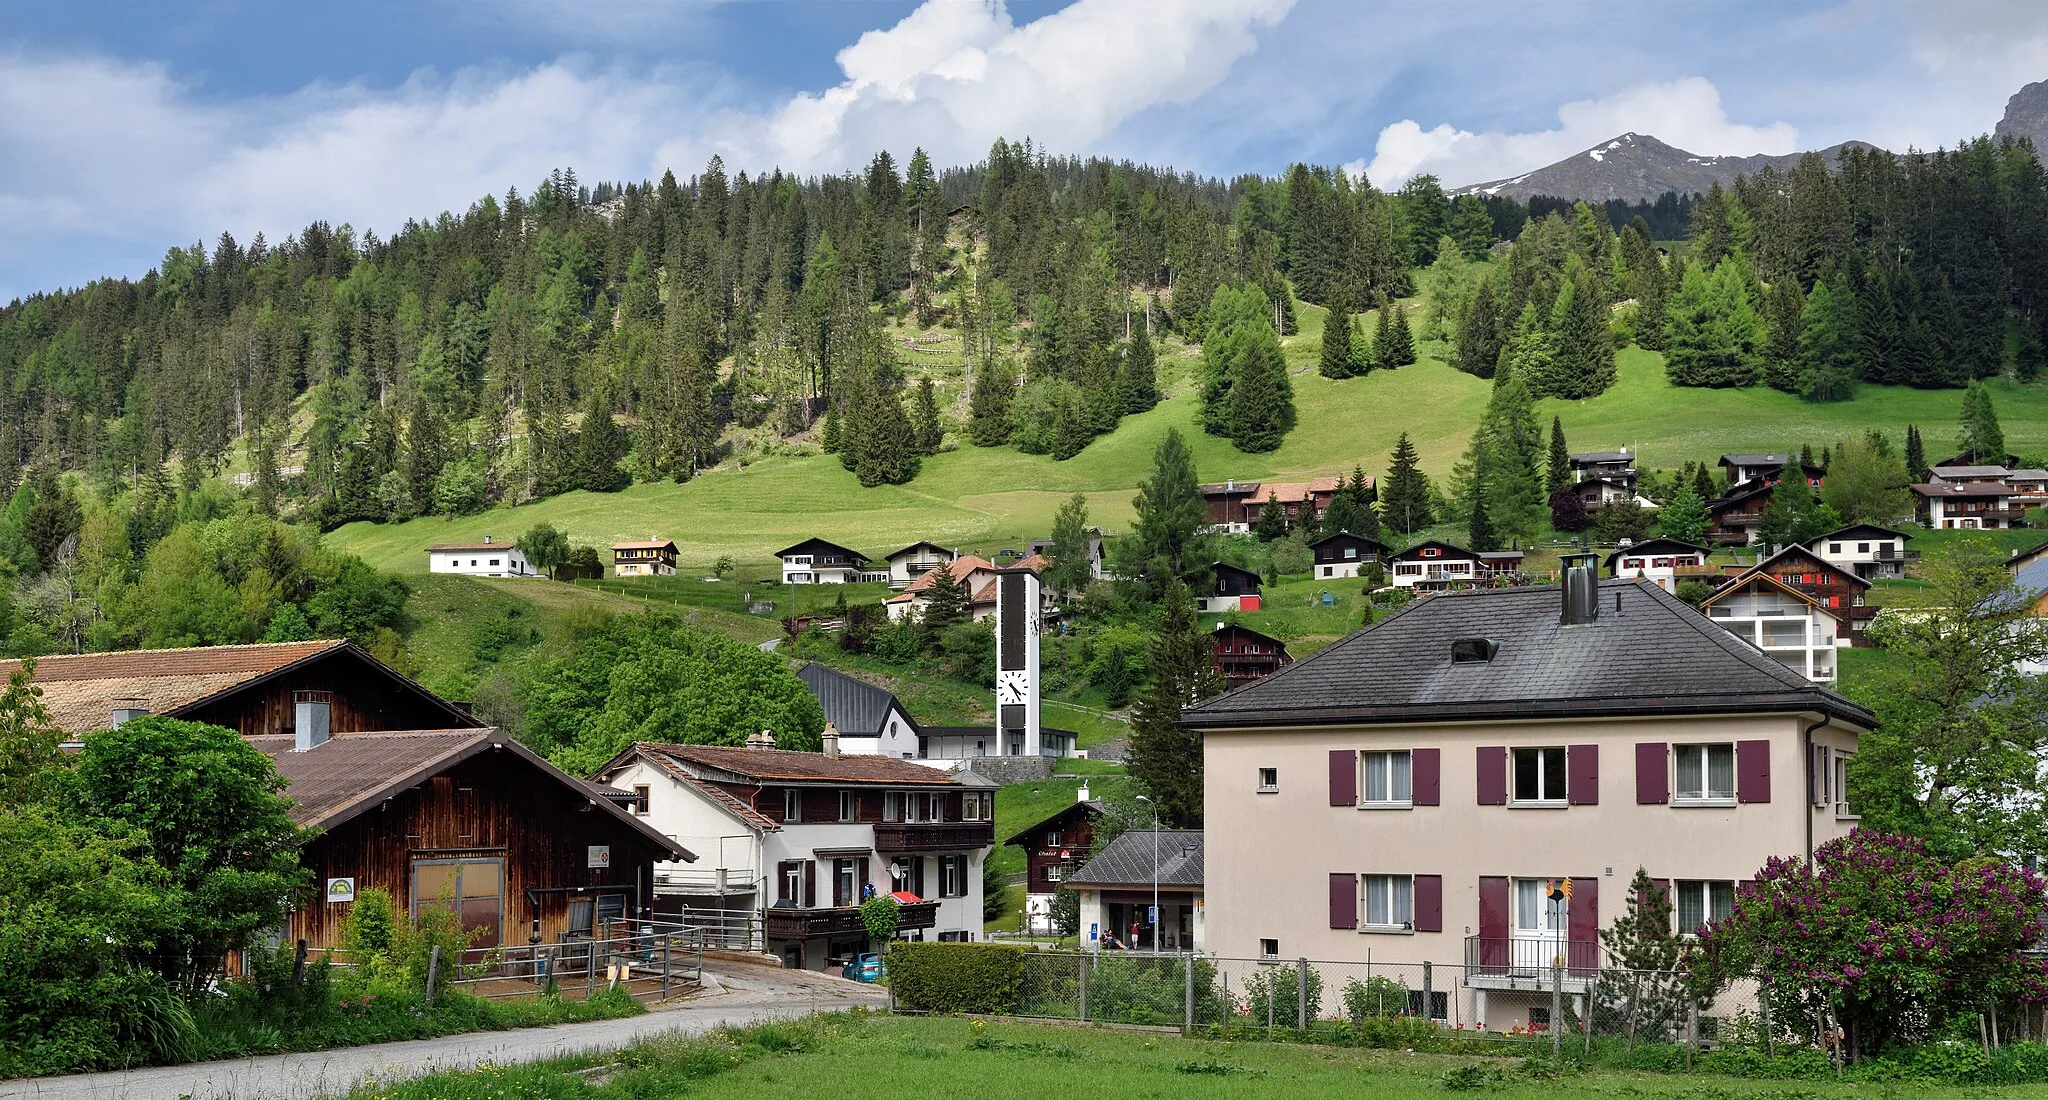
650, 960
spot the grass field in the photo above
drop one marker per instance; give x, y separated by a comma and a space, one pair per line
869, 1057
990, 498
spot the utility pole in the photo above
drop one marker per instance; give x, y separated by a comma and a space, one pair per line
1153, 917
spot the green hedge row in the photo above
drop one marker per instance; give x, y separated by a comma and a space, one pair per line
956, 977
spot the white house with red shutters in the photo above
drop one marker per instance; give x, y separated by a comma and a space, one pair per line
1419, 790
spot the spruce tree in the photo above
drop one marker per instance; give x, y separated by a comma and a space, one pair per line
1479, 338
1272, 520
1978, 435
1479, 534
1164, 543
1383, 350
1703, 483
1784, 310
1261, 407
988, 407
1404, 502
880, 441
1806, 454
1583, 364
945, 601
1362, 353
1916, 454
1166, 756
1069, 427
1069, 567
925, 425
1504, 457
1365, 517
599, 447
1137, 380
1557, 471
1335, 360
1830, 345
1644, 988
1403, 351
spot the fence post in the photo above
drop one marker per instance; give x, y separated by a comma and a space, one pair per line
1301, 993
1556, 1008
433, 970
1188, 1028
589, 968
668, 958
1083, 961
1428, 991
299, 965
1763, 1011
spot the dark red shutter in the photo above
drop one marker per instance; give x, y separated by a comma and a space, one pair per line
1429, 903
810, 884
1582, 775
1493, 775
1653, 773
1425, 777
1343, 901
1582, 926
1493, 921
1752, 771
1343, 777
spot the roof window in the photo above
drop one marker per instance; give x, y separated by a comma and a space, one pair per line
1468, 651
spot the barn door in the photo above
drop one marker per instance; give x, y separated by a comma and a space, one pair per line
473, 889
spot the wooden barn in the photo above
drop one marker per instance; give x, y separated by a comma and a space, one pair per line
467, 818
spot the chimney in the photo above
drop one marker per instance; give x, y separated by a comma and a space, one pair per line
1082, 794
830, 740
1581, 589
127, 710
310, 719
762, 740
487, 540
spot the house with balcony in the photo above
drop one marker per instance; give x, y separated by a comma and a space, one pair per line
1969, 505
1865, 549
1434, 566
1343, 554
1661, 561
1765, 467
1736, 519
1617, 466
789, 844
1230, 589
1837, 591
1240, 654
1595, 493
1786, 624
1118, 884
914, 561
1422, 789
1501, 566
1234, 507
816, 561
650, 557
1054, 848
973, 572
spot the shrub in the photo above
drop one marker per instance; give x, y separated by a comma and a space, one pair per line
881, 914
956, 977
1376, 996
1281, 982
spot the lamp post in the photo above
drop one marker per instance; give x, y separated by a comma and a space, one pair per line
1153, 922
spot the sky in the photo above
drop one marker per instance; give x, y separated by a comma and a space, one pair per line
127, 128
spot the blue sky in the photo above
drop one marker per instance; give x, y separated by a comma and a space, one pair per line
127, 127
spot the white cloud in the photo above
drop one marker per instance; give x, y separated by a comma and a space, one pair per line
1686, 113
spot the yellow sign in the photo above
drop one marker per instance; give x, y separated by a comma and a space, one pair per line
1566, 886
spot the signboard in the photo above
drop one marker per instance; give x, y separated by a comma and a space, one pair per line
341, 889
1151, 914
600, 856
1094, 931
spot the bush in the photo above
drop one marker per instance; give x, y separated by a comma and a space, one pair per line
1281, 981
1376, 996
956, 977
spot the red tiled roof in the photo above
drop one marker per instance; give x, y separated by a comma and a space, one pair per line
760, 764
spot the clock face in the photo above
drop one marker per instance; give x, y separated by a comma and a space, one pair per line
1012, 687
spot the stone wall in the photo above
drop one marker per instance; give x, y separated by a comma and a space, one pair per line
1011, 769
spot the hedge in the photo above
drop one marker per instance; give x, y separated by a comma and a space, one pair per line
956, 977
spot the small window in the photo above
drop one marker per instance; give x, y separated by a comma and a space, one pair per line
792, 805
1269, 779
1861, 548
952, 876
1055, 872
1702, 903
1539, 775
1836, 547
1539, 1017
1387, 778
494, 562
1389, 901
1841, 787
1706, 773
1269, 949
1350, 552
892, 806
1052, 838
1466, 651
846, 806
791, 880
640, 798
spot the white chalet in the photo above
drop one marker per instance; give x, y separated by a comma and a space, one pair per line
479, 559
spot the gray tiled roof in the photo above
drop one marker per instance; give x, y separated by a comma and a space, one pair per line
854, 707
1128, 860
1646, 653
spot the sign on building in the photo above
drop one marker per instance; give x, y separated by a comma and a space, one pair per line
600, 856
341, 889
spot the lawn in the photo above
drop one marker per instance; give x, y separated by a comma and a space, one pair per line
987, 499
870, 1057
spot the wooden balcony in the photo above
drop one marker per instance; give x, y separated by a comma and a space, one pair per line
934, 836
796, 924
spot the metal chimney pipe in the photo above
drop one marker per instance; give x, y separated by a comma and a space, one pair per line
1581, 589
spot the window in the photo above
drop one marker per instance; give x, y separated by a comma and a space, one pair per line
1702, 903
640, 798
792, 805
1841, 787
952, 876
1269, 949
892, 806
790, 877
1706, 773
1389, 901
1536, 911
1269, 780
1350, 552
1052, 838
1386, 778
1055, 872
979, 806
1539, 775
1861, 548
1836, 547
846, 806
846, 882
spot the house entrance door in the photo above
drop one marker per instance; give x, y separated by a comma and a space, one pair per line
1541, 925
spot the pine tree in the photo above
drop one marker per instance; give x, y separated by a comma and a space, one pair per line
1479, 337
988, 408
1583, 365
1335, 360
1557, 471
1530, 353
1403, 351
1164, 543
1830, 345
1479, 534
1405, 503
880, 441
1703, 483
1272, 520
599, 447
1784, 311
945, 601
1806, 454
1916, 454
1069, 428
1504, 458
1261, 409
1977, 432
1363, 356
1647, 957
1069, 566
829, 435
1684, 517
1383, 350
1137, 380
1166, 756
925, 426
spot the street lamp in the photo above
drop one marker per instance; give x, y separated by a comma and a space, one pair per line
1154, 914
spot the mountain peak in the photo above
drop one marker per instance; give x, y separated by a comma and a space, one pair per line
1635, 167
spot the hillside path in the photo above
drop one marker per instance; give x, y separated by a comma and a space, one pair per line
745, 995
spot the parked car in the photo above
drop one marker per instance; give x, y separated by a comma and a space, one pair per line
864, 968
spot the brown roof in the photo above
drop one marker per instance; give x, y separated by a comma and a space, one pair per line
816, 767
81, 690
352, 773
961, 567
717, 795
1965, 489
468, 546
645, 544
1291, 492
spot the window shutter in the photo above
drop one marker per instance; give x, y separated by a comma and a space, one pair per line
1582, 926
1343, 901
1752, 771
1817, 778
810, 883
1493, 775
1429, 903
1425, 777
1582, 775
1343, 777
1493, 921
1653, 773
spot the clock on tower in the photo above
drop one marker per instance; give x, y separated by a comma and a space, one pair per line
1013, 687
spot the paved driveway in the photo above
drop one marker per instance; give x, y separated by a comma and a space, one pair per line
751, 995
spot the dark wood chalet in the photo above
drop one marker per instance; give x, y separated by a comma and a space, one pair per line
1231, 589
1054, 847
1343, 554
1835, 589
1734, 519
1240, 654
1766, 466
256, 690
650, 557
469, 819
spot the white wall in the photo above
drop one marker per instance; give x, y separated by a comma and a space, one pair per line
478, 563
680, 811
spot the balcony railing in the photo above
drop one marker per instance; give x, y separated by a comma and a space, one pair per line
934, 836
1529, 956
796, 924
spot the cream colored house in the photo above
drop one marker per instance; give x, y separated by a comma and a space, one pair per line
1414, 792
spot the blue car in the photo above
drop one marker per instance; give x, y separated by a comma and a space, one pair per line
864, 968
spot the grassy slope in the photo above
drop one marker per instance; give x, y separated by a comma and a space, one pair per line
988, 499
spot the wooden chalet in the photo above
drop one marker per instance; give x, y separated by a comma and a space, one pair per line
651, 557
1343, 554
1735, 519
1234, 506
1233, 589
1766, 467
1053, 849
1240, 654
1433, 566
272, 688
1832, 588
